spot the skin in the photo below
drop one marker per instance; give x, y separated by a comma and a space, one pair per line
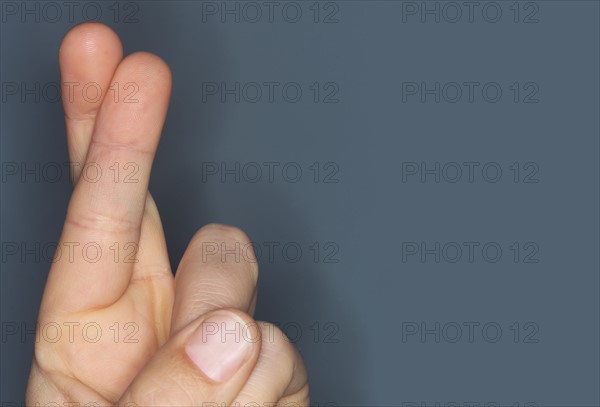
146, 315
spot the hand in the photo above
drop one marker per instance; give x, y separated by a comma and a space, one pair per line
114, 325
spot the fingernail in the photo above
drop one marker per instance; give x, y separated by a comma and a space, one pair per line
219, 347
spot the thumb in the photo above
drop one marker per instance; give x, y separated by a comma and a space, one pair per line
207, 363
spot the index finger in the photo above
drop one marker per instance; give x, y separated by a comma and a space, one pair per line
105, 212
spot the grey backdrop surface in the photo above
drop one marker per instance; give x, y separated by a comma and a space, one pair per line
371, 273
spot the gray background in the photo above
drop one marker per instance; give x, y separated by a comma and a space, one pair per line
362, 303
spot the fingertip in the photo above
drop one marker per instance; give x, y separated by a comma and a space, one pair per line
135, 113
88, 57
89, 40
148, 67
217, 234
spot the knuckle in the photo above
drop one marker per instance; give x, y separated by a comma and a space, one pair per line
299, 398
278, 375
158, 391
277, 346
279, 354
100, 221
